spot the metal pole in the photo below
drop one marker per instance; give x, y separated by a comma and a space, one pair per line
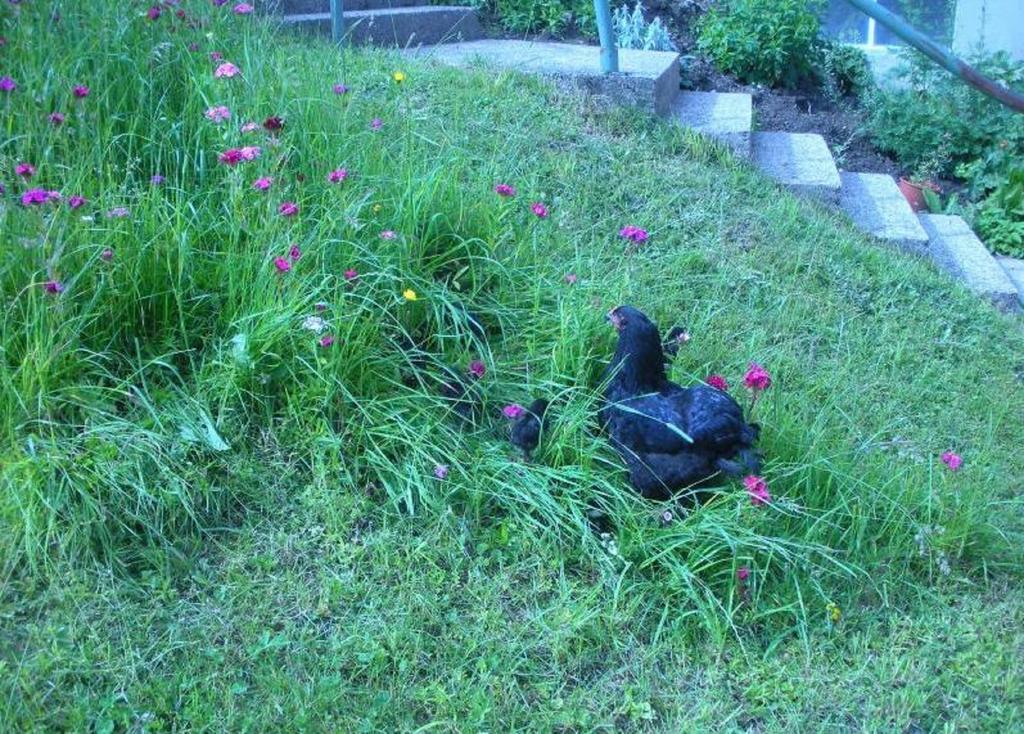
337, 20
609, 53
943, 57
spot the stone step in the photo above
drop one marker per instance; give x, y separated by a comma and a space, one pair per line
401, 27
957, 250
874, 203
304, 7
1014, 269
800, 161
647, 79
722, 115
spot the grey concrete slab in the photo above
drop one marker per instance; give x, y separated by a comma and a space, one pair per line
303, 7
403, 27
874, 203
800, 161
957, 250
726, 116
646, 79
1014, 269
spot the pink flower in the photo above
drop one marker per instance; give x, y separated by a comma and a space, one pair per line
571, 278
634, 234
504, 190
34, 197
477, 369
539, 209
388, 234
56, 118
294, 253
273, 123
216, 56
340, 89
288, 209
282, 265
350, 274
376, 123
441, 471
153, 13
25, 170
262, 184
80, 91
231, 157
250, 152
53, 287
320, 307
243, 9
218, 3
718, 382
337, 175
757, 489
107, 255
156, 179
7, 84
226, 71
218, 114
513, 411
118, 212
76, 201
952, 460
326, 341
757, 378
742, 573
249, 127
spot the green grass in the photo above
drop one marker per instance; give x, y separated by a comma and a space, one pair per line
211, 522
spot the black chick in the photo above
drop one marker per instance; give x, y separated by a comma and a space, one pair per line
675, 338
461, 394
671, 438
528, 427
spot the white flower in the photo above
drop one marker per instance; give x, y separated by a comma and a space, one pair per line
314, 324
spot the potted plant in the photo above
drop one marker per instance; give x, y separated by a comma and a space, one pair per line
913, 188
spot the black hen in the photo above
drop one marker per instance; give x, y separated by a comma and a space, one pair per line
528, 427
671, 438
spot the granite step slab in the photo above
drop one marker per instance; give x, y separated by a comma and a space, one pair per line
875, 204
402, 27
725, 116
647, 79
1014, 269
958, 251
800, 161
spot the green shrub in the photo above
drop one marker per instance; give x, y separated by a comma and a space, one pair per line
764, 41
942, 127
554, 16
845, 71
1000, 219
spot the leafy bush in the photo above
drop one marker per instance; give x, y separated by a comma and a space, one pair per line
944, 127
1000, 219
554, 16
765, 41
845, 71
633, 31
940, 126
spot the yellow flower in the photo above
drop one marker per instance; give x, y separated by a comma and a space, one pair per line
410, 294
376, 208
834, 612
398, 76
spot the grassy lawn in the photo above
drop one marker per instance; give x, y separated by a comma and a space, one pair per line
212, 518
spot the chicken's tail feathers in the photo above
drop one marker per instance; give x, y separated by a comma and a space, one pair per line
746, 462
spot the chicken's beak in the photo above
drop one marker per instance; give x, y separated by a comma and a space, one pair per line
614, 319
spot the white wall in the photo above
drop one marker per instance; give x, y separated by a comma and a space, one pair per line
994, 25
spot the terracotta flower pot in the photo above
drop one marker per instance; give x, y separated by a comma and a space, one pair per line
914, 194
